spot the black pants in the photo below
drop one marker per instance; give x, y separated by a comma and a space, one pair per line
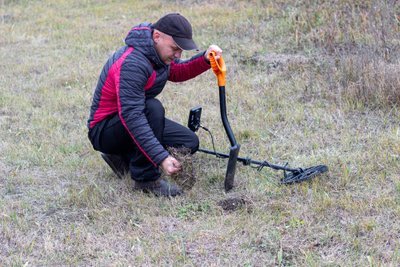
113, 138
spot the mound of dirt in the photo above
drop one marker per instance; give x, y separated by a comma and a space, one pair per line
235, 203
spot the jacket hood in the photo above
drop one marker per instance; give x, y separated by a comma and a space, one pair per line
140, 38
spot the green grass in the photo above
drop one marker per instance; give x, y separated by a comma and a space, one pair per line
308, 83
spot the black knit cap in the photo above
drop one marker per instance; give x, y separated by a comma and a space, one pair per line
179, 28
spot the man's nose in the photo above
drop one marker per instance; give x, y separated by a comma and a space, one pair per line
178, 54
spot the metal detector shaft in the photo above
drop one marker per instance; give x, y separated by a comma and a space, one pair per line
219, 68
235, 147
248, 161
224, 117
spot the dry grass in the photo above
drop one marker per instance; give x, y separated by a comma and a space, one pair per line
186, 178
307, 84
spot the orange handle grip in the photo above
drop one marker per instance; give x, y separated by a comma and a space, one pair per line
219, 68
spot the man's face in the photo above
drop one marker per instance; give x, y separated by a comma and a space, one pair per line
166, 47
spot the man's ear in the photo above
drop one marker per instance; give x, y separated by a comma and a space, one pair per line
156, 36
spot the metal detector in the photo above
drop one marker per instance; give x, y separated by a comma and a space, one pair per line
291, 175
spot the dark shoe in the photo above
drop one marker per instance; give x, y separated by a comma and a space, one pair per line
160, 188
117, 164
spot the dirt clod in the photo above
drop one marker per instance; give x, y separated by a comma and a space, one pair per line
186, 178
234, 203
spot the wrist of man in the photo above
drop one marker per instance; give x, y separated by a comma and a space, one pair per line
162, 158
205, 57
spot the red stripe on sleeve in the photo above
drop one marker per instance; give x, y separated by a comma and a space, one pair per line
150, 81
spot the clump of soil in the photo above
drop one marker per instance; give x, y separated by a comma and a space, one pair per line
186, 178
235, 203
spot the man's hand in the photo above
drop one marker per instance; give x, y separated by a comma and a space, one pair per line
216, 49
170, 165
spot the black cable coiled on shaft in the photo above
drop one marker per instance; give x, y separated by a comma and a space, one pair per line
212, 140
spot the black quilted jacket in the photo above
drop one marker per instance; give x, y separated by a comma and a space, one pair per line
133, 74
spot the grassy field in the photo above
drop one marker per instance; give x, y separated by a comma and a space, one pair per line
308, 82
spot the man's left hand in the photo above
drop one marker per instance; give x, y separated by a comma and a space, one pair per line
216, 49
